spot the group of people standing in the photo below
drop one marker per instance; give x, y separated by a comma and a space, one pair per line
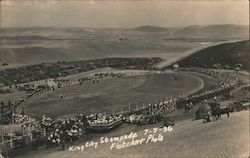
60, 131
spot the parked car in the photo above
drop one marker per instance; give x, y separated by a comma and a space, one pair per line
243, 104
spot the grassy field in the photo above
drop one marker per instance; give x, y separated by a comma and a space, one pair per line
12, 96
110, 94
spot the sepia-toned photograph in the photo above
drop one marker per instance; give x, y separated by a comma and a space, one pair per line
124, 79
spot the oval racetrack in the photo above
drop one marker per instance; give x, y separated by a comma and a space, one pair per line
111, 94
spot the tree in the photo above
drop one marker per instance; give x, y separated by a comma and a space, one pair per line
1, 109
2, 103
9, 103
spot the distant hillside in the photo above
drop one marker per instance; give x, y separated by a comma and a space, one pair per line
228, 54
32, 55
219, 31
22, 46
150, 28
155, 29
200, 31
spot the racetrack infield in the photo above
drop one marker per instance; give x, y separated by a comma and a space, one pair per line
111, 94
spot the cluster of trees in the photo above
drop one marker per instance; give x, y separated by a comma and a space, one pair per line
6, 111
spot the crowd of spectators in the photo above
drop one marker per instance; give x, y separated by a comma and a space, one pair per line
227, 81
246, 87
168, 104
59, 131
225, 78
152, 112
42, 71
194, 99
100, 118
21, 119
63, 130
98, 76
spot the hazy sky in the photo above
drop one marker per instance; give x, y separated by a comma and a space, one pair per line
122, 13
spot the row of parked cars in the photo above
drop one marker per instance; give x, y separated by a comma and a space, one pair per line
141, 119
242, 104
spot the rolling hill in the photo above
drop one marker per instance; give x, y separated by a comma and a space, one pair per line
156, 29
21, 46
32, 55
228, 54
214, 31
200, 31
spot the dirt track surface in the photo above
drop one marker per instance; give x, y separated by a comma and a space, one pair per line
111, 94
228, 137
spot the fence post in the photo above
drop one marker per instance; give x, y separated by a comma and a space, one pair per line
31, 138
11, 143
44, 132
23, 130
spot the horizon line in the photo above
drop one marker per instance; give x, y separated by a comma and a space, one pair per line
118, 27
